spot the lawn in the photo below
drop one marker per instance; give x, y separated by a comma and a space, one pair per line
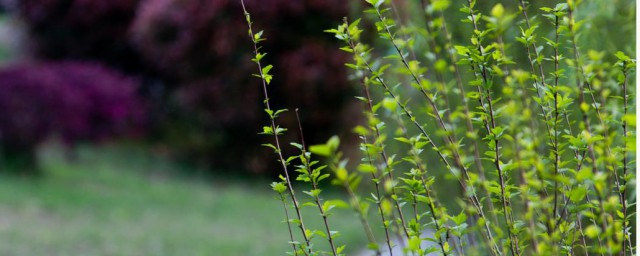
117, 200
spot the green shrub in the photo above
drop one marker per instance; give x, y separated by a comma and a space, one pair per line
515, 140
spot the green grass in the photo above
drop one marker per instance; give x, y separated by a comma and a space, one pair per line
123, 201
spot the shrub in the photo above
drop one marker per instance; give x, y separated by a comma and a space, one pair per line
76, 101
538, 146
197, 46
185, 39
191, 57
81, 29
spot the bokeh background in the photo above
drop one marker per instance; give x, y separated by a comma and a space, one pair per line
129, 127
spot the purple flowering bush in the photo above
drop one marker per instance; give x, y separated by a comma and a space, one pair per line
76, 101
194, 54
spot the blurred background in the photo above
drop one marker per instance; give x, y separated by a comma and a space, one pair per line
129, 127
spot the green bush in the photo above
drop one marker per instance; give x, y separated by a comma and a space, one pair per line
516, 140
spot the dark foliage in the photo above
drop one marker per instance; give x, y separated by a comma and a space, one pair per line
81, 29
73, 100
195, 52
200, 49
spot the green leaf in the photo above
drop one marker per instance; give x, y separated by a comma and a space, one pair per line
270, 146
389, 104
268, 78
323, 176
280, 131
342, 174
403, 140
267, 130
592, 231
546, 9
367, 168
630, 119
321, 150
269, 112
279, 112
258, 57
279, 187
258, 36
297, 145
497, 132
266, 69
440, 5
461, 50
621, 56
497, 11
460, 218
578, 194
337, 203
414, 243
375, 3
333, 143
360, 130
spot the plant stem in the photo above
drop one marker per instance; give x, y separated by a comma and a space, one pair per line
556, 149
361, 215
306, 162
581, 98
383, 155
275, 133
432, 199
467, 112
379, 204
473, 197
469, 126
623, 193
515, 249
286, 214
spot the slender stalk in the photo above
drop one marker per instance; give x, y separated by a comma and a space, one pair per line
515, 249
356, 204
579, 84
369, 110
379, 204
566, 201
449, 140
453, 58
432, 199
465, 101
625, 162
306, 162
556, 149
581, 98
416, 215
274, 128
538, 84
439, 76
286, 214
532, 226
383, 153
469, 126
417, 80
472, 197
582, 235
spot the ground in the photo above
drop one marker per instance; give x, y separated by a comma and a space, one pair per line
115, 200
